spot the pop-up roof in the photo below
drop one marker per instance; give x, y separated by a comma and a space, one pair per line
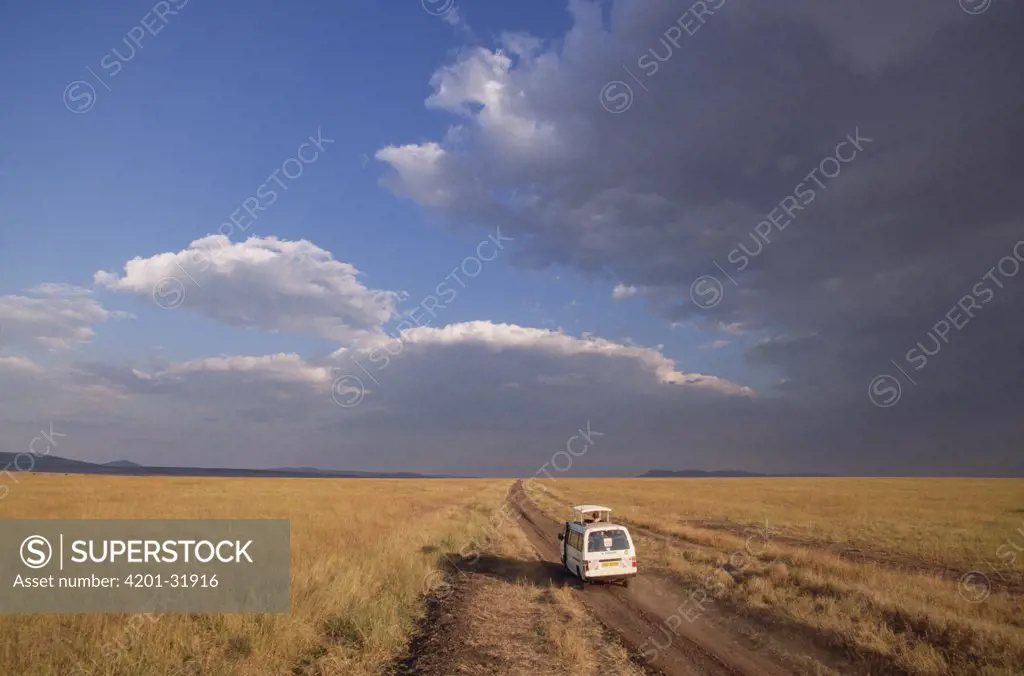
603, 513
586, 509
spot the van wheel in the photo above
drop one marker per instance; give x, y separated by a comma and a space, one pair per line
625, 583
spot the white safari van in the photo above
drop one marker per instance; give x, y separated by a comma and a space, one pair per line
596, 550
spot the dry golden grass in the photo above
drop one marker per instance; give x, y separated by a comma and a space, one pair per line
579, 645
360, 553
953, 521
862, 565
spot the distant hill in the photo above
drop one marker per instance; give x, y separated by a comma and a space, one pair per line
54, 464
121, 463
724, 473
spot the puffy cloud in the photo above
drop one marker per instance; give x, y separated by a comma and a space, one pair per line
263, 282
417, 165
500, 337
54, 316
622, 291
290, 368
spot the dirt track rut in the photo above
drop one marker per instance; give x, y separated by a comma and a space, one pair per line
649, 615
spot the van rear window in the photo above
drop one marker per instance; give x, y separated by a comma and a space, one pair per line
612, 540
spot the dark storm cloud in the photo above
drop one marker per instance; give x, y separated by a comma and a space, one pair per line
722, 133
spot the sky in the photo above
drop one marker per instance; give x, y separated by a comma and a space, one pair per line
567, 238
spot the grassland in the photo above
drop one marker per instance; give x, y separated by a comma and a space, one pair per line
867, 567
362, 552
869, 570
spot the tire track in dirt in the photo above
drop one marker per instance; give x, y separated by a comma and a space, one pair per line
504, 611
649, 610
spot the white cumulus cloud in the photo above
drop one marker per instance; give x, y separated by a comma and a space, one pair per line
266, 283
498, 337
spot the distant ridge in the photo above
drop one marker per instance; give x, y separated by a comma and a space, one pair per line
723, 473
121, 463
53, 464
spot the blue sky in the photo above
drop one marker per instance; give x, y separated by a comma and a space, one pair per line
214, 102
441, 123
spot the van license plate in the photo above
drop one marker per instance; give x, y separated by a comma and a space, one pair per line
609, 564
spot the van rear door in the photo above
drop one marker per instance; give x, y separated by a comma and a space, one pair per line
609, 552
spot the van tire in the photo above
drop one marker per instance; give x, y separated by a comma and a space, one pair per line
625, 583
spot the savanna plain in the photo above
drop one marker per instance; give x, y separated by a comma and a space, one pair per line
903, 576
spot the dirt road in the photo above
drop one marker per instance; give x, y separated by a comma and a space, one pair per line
651, 616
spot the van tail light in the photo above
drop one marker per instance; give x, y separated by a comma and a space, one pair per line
633, 560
